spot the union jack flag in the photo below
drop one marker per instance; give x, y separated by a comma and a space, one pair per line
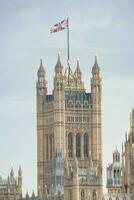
59, 26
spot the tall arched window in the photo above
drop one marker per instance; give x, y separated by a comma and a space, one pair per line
78, 144
70, 145
85, 146
94, 195
82, 195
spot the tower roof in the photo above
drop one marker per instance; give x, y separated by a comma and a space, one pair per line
58, 64
41, 71
77, 70
12, 172
20, 171
96, 68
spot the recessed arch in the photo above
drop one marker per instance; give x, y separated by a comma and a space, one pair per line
70, 145
85, 145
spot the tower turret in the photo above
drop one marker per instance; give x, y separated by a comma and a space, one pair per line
20, 180
58, 79
78, 73
41, 83
96, 92
59, 106
11, 174
41, 100
78, 76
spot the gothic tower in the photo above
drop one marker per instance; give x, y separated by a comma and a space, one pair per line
70, 118
128, 159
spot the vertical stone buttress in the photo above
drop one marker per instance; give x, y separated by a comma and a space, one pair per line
41, 92
96, 93
59, 107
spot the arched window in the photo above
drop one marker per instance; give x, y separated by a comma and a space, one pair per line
82, 195
118, 173
78, 144
94, 195
70, 145
85, 145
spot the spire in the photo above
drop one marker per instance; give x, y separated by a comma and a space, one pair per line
58, 66
8, 180
20, 171
95, 59
33, 195
96, 68
77, 72
78, 64
12, 173
27, 195
41, 71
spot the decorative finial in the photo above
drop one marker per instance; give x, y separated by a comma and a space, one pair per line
95, 58
20, 171
126, 136
78, 62
59, 55
12, 172
41, 61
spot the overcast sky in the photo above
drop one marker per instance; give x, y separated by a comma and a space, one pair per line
105, 27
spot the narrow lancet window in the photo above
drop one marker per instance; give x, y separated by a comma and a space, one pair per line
70, 145
78, 145
85, 146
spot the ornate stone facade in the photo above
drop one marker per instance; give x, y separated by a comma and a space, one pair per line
71, 118
11, 188
128, 159
114, 174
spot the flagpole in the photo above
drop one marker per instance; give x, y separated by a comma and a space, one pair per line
68, 56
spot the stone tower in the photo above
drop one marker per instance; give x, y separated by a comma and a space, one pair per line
70, 117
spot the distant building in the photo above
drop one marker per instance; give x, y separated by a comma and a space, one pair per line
114, 174
11, 188
115, 181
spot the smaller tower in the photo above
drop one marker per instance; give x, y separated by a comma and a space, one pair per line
41, 87
59, 106
58, 80
11, 174
96, 92
78, 76
41, 83
114, 174
58, 172
20, 180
